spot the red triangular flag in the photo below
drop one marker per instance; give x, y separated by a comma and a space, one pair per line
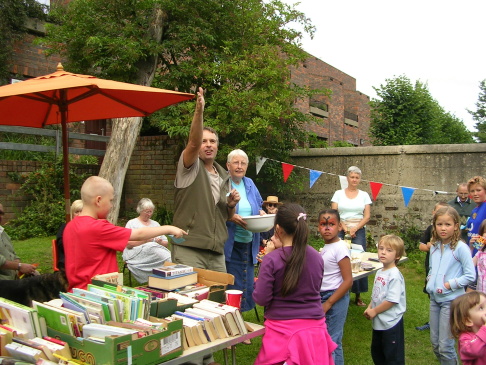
375, 189
287, 169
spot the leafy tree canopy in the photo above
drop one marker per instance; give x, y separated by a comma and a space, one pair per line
13, 15
407, 114
480, 114
239, 51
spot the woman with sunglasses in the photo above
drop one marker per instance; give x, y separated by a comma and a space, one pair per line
271, 207
242, 246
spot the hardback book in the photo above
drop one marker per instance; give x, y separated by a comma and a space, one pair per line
5, 338
60, 319
172, 283
236, 313
63, 349
55, 348
195, 327
206, 323
24, 320
172, 270
214, 317
227, 317
25, 353
114, 278
30, 343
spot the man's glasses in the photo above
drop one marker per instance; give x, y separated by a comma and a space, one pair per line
271, 205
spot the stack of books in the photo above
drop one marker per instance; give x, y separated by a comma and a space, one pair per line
208, 321
172, 277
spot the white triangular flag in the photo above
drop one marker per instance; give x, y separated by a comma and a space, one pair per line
344, 182
259, 163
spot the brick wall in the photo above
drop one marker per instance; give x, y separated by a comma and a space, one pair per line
13, 202
151, 173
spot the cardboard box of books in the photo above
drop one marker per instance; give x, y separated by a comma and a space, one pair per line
127, 349
214, 280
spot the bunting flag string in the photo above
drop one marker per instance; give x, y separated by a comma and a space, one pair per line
314, 175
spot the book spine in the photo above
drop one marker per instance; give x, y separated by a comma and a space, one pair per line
172, 272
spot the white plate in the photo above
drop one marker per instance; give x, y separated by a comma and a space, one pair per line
259, 223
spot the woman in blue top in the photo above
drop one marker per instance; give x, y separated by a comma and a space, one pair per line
241, 247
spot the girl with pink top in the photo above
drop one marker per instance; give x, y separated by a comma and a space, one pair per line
479, 243
468, 323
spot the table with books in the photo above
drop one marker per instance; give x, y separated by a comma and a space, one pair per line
368, 264
196, 352
113, 323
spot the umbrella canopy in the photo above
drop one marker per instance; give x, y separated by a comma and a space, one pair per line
63, 97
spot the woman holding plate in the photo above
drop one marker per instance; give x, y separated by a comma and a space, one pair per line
241, 247
354, 208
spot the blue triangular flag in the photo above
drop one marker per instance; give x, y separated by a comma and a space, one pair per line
314, 175
407, 194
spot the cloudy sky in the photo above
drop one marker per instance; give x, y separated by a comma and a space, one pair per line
441, 43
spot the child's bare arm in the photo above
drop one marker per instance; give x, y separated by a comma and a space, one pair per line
371, 313
141, 235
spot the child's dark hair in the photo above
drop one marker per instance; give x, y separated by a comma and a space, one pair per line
459, 312
292, 219
331, 212
451, 212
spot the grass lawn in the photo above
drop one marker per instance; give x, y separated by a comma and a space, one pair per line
357, 333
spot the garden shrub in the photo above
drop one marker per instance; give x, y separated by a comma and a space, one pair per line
45, 213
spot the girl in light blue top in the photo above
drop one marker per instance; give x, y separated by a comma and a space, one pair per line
451, 270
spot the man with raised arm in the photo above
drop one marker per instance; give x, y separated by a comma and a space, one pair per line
204, 200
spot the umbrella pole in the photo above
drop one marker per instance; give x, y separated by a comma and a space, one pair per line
65, 155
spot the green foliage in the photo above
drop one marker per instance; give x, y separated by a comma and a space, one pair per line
342, 144
407, 114
13, 15
46, 210
406, 228
239, 51
480, 114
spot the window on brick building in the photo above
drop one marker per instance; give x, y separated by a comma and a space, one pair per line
350, 118
318, 108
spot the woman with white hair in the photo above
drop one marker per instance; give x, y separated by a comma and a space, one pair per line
354, 208
143, 258
242, 246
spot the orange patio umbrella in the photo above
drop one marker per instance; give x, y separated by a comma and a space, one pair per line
63, 97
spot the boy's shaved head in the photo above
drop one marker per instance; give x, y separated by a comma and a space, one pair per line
94, 186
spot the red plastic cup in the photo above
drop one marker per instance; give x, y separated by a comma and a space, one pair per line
233, 298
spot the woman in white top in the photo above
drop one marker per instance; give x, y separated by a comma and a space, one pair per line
354, 208
142, 259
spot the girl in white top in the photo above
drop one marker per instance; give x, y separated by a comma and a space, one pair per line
353, 206
337, 279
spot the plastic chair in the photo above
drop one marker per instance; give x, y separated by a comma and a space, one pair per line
54, 255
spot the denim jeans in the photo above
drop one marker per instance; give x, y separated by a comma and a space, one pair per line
440, 333
335, 318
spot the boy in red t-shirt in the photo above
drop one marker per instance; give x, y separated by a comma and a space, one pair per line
91, 242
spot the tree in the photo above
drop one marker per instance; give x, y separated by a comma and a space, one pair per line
13, 16
407, 114
239, 51
480, 114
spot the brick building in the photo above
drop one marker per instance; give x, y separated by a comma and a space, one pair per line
344, 115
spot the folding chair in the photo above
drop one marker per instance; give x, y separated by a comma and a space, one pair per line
54, 255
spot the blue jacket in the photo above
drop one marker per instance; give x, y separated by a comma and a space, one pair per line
453, 266
256, 202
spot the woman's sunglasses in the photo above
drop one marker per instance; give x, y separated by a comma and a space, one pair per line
271, 205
